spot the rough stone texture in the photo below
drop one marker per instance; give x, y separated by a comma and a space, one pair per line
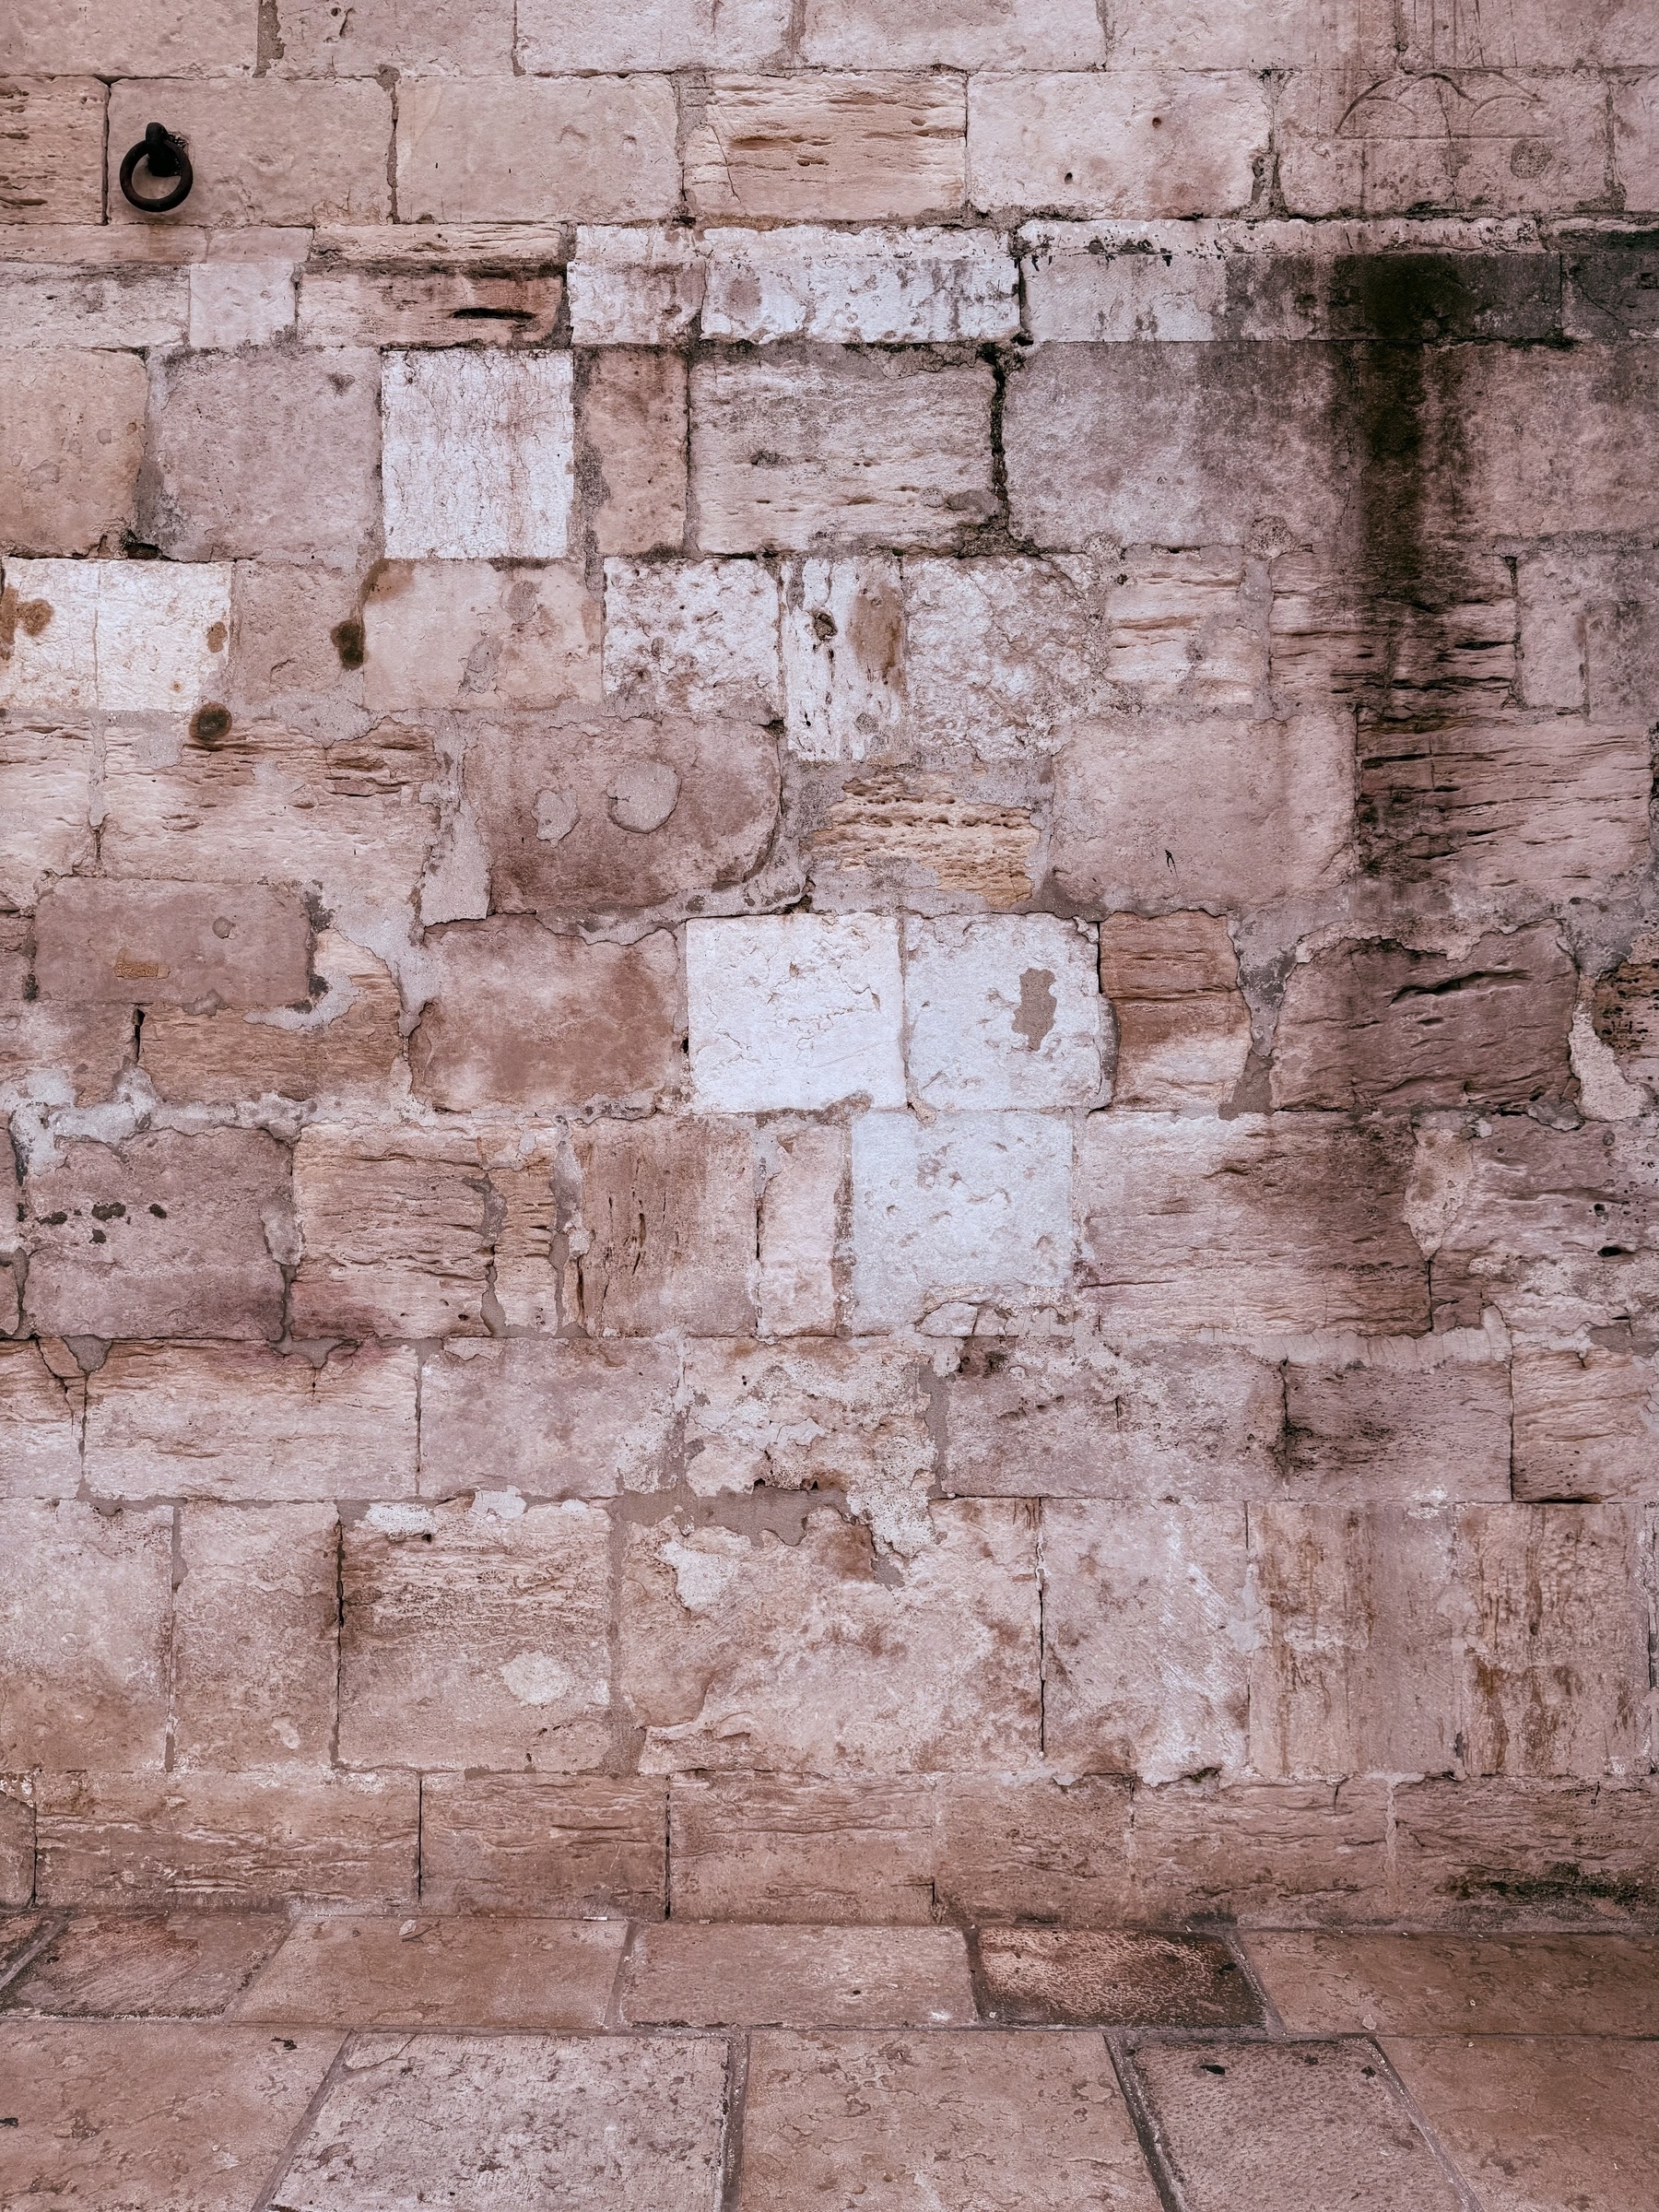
53, 128
1047, 1976
255, 1654
1584, 1425
819, 1007
70, 450
633, 422
1182, 1025
1129, 142
666, 1233
583, 1420
427, 1974
477, 636
128, 944
662, 34
682, 1975
1273, 1853
393, 1231
915, 286
1529, 1852
1422, 1985
188, 1965
589, 150
586, 1846
122, 635
477, 455
39, 1418
266, 151
1003, 1014
844, 148
1416, 1431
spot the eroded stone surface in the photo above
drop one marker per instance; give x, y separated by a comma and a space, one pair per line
684, 1975
1048, 1977
427, 1972
1425, 1985
182, 1964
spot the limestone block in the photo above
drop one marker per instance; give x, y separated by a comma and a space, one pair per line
67, 1055
1429, 1432
800, 1222
54, 132
962, 34
1368, 1024
71, 439
1261, 34
594, 149
868, 447
1434, 639
254, 1639
851, 1418
1004, 1013
447, 39
1002, 653
324, 1837
1624, 1012
1544, 436
632, 423
47, 828
479, 455
1249, 1227
16, 1842
525, 1972
394, 1224
1182, 1025
76, 306
1586, 1426
1127, 141
1533, 1851
1554, 1671
126, 636
170, 1235
1285, 1854
1589, 633
246, 302
266, 150
1061, 1977
289, 628
696, 637
112, 37
518, 1017
843, 656
1030, 1419
244, 1426
475, 1636
1144, 1642
83, 1636
1531, 35
663, 34
41, 1416
588, 1844
794, 1010
1608, 281
821, 146
872, 287
631, 287
665, 1236
969, 1206
1271, 819
1636, 139
181, 944
1181, 632
268, 454
611, 817
550, 1419
743, 1651
418, 307
913, 836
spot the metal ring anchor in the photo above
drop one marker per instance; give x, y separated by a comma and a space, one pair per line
163, 155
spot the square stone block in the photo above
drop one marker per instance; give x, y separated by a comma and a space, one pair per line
1004, 1013
480, 455
1067, 1977
794, 1010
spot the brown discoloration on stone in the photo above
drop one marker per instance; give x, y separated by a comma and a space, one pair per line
890, 831
162, 944
667, 1210
684, 1975
630, 411
588, 1845
1356, 1433
1420, 1986
426, 1973
828, 147
396, 1233
188, 1965
1585, 1425
1052, 1976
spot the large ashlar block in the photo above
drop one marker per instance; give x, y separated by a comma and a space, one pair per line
1431, 640
845, 147
247, 1426
1145, 1638
866, 447
1249, 1227
580, 1846
697, 636
166, 1235
1127, 141
635, 286
665, 1234
872, 287
1545, 435
71, 439
1589, 627
609, 816
446, 38
1286, 1852
1409, 1430
130, 637
1182, 1025
54, 134
800, 1231
948, 1213
1586, 1426
75, 305
395, 1232
247, 301
1269, 817
741, 1651
660, 34
102, 942
1003, 655
518, 1017
517, 149
915, 836
1004, 1013
1636, 139
83, 1636
631, 426
475, 1636
1533, 1852
843, 658
266, 150
953, 34
469, 635
546, 1419
255, 1618
410, 306
47, 830
794, 1011
41, 1415
480, 455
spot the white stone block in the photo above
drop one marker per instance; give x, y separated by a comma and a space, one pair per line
794, 1011
1150, 141
843, 658
1002, 1013
651, 34
800, 1212
697, 636
969, 1206
126, 636
634, 286
239, 303
849, 288
477, 455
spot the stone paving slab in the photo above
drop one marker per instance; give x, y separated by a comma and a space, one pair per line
185, 1965
692, 1975
442, 1974
1434, 1984
1122, 1979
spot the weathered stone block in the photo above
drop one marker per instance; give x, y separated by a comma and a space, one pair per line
1004, 1014
593, 149
1182, 1025
1544, 432
587, 1845
794, 1010
395, 1233
914, 837
666, 1225
845, 147
73, 306
1003, 653
842, 651
1427, 636
739, 1650
875, 286
800, 1231
1127, 141
476, 1636
779, 1849
255, 1630
169, 1235
663, 34
1636, 139
126, 636
479, 455
442, 40
1278, 1852
1526, 1852
151, 944
412, 306
47, 828
866, 447
692, 637
632, 432
1585, 1425
67, 1055
1062, 1977
555, 1420
41, 1415
242, 302
470, 635
1589, 635
635, 287
16, 1840
1412, 1431
109, 39
55, 134
267, 150
70, 444
962, 34
686, 1975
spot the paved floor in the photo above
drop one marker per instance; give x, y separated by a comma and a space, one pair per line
214, 2062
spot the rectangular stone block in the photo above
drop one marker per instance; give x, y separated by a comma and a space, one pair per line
394, 1232
588, 1846
1586, 1426
1589, 637
110, 39
843, 658
1001, 1014
245, 301
1636, 139
781, 1849
17, 1839
1428, 637
446, 307
182, 945
684, 1974
444, 38
694, 637
794, 1010
1544, 432
166, 1235
961, 34
1127, 141
474, 636
667, 1224
1003, 653
71, 441
53, 128
922, 834
475, 1636
829, 146
246, 1426
663, 34
1247, 1227
1527, 1854
83, 1639
126, 636
48, 829
479, 455
578, 1420
40, 1416
738, 1650
75, 305
1182, 1025
591, 149
632, 423
1416, 1430
255, 1638
800, 1233
864, 447
1282, 1853
225, 1840
68, 1054
635, 287
267, 150
873, 287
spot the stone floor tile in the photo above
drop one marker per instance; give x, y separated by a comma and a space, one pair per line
442, 1974
515, 2122
1462, 1984
18, 1930
686, 1975
938, 2123
1297, 2127
1060, 1977
147, 2116
1544, 2124
185, 1965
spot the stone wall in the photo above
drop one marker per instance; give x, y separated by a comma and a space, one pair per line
828, 964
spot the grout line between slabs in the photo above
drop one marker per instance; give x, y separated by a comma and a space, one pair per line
1420, 2121
304, 2125
1149, 2134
